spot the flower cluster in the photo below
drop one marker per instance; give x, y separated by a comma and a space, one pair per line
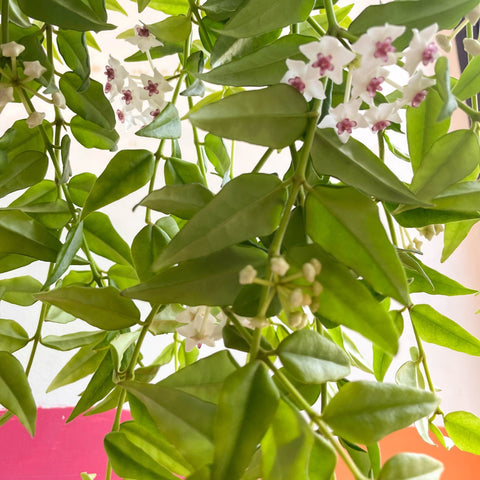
369, 62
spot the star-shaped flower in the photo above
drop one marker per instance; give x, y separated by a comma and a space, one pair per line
116, 75
144, 39
416, 90
421, 50
382, 116
367, 81
11, 49
154, 88
304, 78
35, 119
6, 95
33, 69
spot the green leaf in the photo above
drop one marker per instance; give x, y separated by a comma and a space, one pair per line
126, 172
91, 135
464, 429
454, 234
260, 16
100, 307
423, 129
184, 420
210, 280
221, 9
23, 235
411, 466
180, 172
27, 168
180, 200
247, 405
354, 164
217, 153
80, 186
173, 29
20, 138
120, 345
312, 358
365, 412
67, 14
42, 192
468, 84
114, 6
264, 66
73, 48
165, 125
13, 337
91, 104
204, 378
103, 239
73, 241
72, 340
450, 159
442, 74
230, 217
20, 290
256, 116
10, 262
53, 215
432, 327
15, 392
289, 447
170, 7
122, 276
346, 224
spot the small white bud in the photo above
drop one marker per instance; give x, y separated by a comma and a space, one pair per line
438, 227
418, 243
317, 265
11, 49
317, 289
279, 266
59, 100
35, 119
33, 69
306, 300
315, 305
471, 46
6, 95
297, 320
474, 15
444, 42
296, 298
257, 322
427, 231
247, 275
309, 272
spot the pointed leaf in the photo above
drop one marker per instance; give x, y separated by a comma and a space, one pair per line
166, 125
454, 235
13, 337
217, 153
15, 392
347, 225
91, 135
411, 466
174, 29
80, 186
180, 172
20, 290
464, 429
442, 74
365, 412
468, 84
70, 341
230, 217
256, 116
73, 48
100, 307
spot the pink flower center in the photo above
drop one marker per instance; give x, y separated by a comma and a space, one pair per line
324, 63
374, 85
143, 31
155, 113
109, 72
428, 55
383, 49
346, 125
297, 83
108, 87
121, 116
151, 88
127, 96
381, 125
419, 98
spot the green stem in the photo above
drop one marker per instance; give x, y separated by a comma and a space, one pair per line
201, 26
473, 114
93, 266
381, 146
391, 226
333, 25
5, 19
262, 161
316, 26
232, 156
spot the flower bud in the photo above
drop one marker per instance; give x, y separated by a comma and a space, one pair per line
315, 305
471, 46
33, 69
317, 289
35, 119
439, 228
474, 15
427, 231
444, 42
279, 266
309, 272
247, 275
297, 320
11, 49
296, 298
418, 243
317, 265
306, 300
59, 100
6, 95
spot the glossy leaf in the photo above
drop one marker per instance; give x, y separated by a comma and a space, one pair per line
23, 235
423, 129
468, 84
67, 14
259, 16
347, 225
180, 200
103, 239
170, 7
464, 429
91, 135
80, 186
432, 327
120, 346
174, 29
217, 154
100, 307
13, 337
165, 125
184, 420
450, 160
220, 9
210, 280
229, 218
264, 66
312, 358
15, 392
73, 48
20, 138
365, 412
180, 172
247, 405
27, 168
126, 172
354, 164
42, 192
411, 466
70, 341
256, 116
122, 276
454, 235
20, 290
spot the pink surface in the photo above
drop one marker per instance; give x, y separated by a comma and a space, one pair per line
58, 451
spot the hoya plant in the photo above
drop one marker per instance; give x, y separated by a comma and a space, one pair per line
275, 270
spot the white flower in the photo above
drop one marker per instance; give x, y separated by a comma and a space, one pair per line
328, 56
444, 41
421, 49
153, 89
247, 275
382, 116
116, 75
35, 119
474, 15
367, 81
344, 118
131, 97
279, 266
376, 44
6, 95
304, 78
11, 49
202, 327
415, 91
471, 46
33, 69
59, 99
143, 39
